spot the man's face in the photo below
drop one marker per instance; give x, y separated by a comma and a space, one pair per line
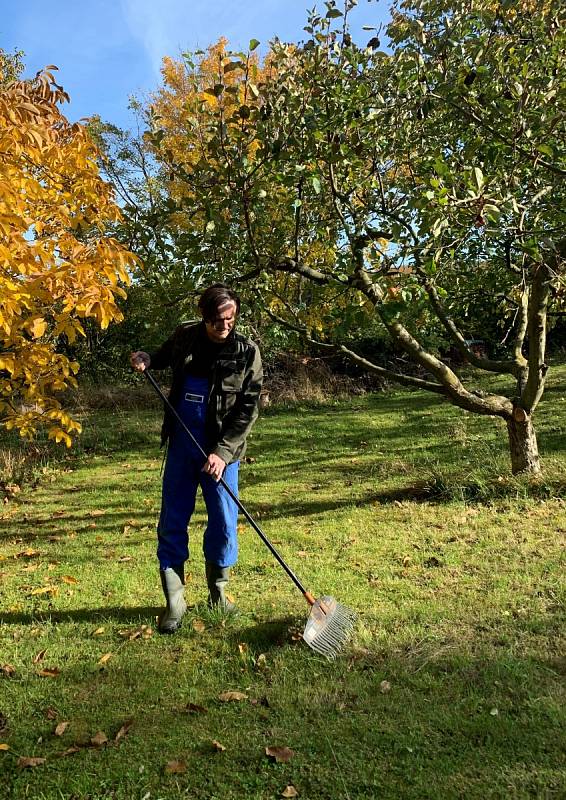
218, 329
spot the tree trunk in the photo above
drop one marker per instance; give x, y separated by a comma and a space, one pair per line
523, 443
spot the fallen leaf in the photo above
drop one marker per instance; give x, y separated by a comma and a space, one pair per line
261, 661
199, 626
69, 751
124, 730
69, 579
217, 746
4, 746
39, 656
137, 633
281, 754
289, 791
175, 767
96, 513
99, 739
51, 713
105, 658
122, 559
8, 670
98, 632
243, 648
384, 687
193, 708
49, 672
228, 697
494, 712
24, 761
60, 729
29, 553
44, 590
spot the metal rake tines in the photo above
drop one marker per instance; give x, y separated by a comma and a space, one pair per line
329, 626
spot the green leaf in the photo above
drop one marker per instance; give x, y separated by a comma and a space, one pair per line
478, 176
333, 13
253, 44
316, 184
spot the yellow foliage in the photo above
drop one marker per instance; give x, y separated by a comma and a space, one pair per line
57, 264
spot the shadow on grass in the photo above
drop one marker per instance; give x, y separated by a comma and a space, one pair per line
132, 615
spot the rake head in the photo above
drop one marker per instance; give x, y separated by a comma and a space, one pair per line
329, 626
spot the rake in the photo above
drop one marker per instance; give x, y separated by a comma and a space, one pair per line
330, 624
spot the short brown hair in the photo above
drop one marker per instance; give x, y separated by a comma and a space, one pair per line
214, 298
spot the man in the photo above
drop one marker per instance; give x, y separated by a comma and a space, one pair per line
217, 377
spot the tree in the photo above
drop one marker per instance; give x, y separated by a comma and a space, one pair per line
57, 265
402, 188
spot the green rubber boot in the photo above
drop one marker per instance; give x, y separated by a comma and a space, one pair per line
173, 583
217, 580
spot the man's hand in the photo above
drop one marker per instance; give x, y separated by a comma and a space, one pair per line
140, 360
214, 467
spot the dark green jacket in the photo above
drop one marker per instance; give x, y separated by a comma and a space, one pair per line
234, 392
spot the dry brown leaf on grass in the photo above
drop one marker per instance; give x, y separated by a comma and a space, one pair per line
175, 767
281, 754
61, 728
219, 748
99, 739
51, 713
8, 670
29, 553
98, 632
289, 791
145, 632
193, 708
25, 761
39, 656
4, 746
227, 697
69, 751
96, 513
69, 579
124, 730
49, 672
105, 659
384, 687
199, 626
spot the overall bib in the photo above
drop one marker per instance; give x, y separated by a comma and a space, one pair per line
182, 477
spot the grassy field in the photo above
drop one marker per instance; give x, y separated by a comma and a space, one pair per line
399, 505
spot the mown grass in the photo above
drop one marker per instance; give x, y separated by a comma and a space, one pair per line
399, 505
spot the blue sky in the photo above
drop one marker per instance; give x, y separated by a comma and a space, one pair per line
108, 50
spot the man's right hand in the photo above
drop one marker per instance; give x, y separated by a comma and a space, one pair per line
140, 360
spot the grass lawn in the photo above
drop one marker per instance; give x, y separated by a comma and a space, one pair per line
399, 505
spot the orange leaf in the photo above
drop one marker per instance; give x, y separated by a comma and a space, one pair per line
69, 579
175, 767
4, 746
49, 672
105, 658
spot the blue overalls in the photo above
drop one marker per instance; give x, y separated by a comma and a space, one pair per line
181, 479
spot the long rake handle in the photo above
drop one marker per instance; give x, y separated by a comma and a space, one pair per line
306, 594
